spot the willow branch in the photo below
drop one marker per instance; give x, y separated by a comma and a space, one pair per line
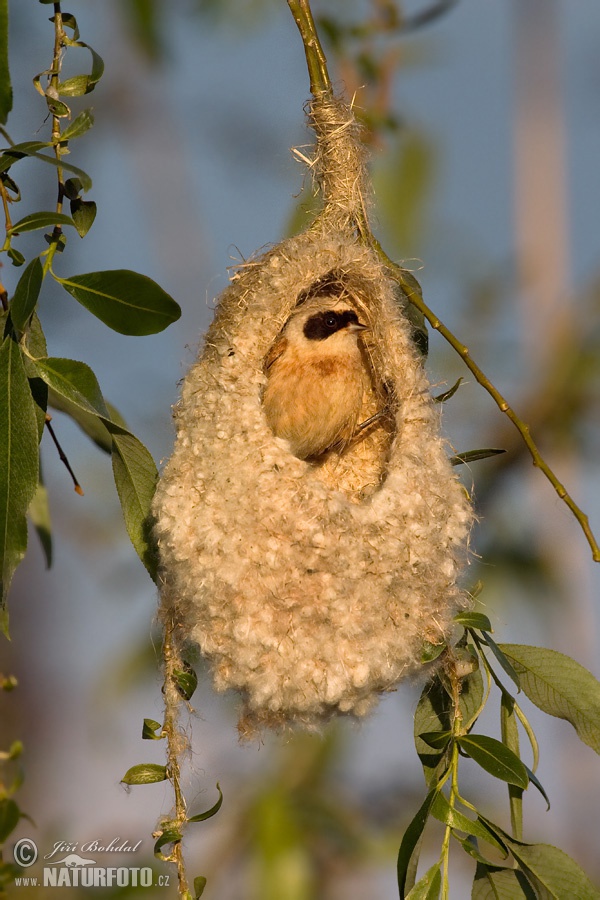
315, 57
172, 733
502, 404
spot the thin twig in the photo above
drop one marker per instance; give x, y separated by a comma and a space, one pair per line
171, 730
315, 57
503, 405
62, 456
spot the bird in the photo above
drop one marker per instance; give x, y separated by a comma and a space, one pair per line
316, 377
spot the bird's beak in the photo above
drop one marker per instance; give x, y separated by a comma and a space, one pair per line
357, 327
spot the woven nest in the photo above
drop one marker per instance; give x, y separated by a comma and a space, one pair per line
310, 585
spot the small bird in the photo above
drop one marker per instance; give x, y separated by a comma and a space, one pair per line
316, 377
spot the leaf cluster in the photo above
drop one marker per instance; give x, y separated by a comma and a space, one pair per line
170, 834
447, 713
32, 382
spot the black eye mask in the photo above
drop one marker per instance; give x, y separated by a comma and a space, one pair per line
323, 324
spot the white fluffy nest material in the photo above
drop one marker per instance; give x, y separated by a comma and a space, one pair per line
310, 589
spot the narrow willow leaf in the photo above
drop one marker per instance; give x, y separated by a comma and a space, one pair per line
18, 464
90, 423
537, 783
496, 883
9, 818
470, 456
26, 294
434, 715
431, 651
471, 699
443, 812
186, 680
29, 149
439, 740
135, 476
39, 515
441, 398
80, 124
504, 662
510, 737
152, 730
559, 875
495, 758
560, 687
471, 846
84, 213
411, 838
473, 620
428, 887
169, 836
125, 301
34, 221
145, 773
95, 75
201, 817
74, 381
199, 885
69, 21
15, 256
6, 94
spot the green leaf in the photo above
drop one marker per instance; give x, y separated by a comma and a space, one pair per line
559, 875
560, 687
125, 301
201, 817
199, 885
74, 381
428, 887
135, 476
431, 715
472, 455
537, 783
496, 883
186, 681
504, 662
15, 256
6, 95
145, 773
168, 836
441, 398
29, 149
510, 737
18, 464
39, 515
84, 213
34, 221
430, 651
439, 740
9, 818
90, 423
411, 838
26, 294
82, 123
473, 620
495, 758
451, 816
150, 729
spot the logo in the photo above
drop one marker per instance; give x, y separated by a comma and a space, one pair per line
65, 865
25, 852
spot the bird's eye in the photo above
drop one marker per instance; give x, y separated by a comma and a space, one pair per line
331, 320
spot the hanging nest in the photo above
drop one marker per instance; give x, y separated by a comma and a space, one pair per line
311, 584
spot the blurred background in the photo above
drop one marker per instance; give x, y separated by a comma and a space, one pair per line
484, 124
